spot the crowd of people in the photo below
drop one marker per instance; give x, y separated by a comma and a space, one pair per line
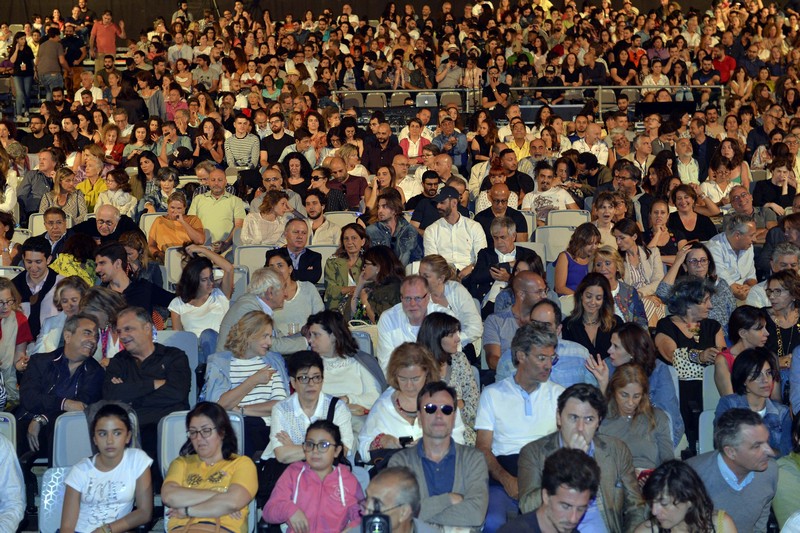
482, 385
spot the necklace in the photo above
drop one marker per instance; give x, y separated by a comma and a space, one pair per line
591, 322
412, 414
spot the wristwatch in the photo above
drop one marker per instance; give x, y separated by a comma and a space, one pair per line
41, 419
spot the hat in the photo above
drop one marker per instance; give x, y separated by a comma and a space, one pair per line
550, 69
180, 154
16, 150
451, 46
446, 193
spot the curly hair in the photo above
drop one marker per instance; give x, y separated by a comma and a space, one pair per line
248, 326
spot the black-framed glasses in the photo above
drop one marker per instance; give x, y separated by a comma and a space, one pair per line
431, 408
695, 262
365, 509
305, 380
415, 299
204, 432
322, 446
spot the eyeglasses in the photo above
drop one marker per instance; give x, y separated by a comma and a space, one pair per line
205, 433
7, 303
322, 446
367, 509
544, 358
431, 408
415, 299
271, 180
695, 262
101, 222
739, 197
776, 292
305, 380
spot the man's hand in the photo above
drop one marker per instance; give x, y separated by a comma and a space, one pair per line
158, 383
456, 498
22, 363
578, 442
117, 381
499, 274
74, 405
33, 435
511, 486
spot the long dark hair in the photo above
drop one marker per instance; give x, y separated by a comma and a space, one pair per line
189, 283
332, 322
389, 266
680, 483
222, 425
434, 328
359, 229
593, 279
631, 228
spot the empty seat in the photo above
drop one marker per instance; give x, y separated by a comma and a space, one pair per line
352, 99
567, 217
375, 100
399, 99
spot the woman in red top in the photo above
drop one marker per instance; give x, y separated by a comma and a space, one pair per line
15, 334
747, 329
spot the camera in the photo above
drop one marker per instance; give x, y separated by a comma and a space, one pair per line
376, 522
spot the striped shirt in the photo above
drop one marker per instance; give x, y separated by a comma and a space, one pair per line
241, 369
242, 152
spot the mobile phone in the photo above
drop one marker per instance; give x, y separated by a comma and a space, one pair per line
405, 441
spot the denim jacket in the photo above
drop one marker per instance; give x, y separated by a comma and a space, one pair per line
403, 242
218, 374
777, 420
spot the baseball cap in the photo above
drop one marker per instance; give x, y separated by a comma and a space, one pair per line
446, 193
180, 154
550, 69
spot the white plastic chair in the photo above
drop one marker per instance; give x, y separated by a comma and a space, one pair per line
568, 217
567, 303
36, 223
341, 218
364, 341
710, 392
172, 261
554, 238
146, 222
8, 427
71, 441
10, 272
705, 442
535, 246
530, 218
20, 235
252, 256
186, 341
52, 498
325, 250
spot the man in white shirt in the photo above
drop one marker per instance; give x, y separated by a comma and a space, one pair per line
732, 251
410, 185
504, 133
591, 143
514, 412
548, 198
401, 323
688, 168
453, 236
320, 229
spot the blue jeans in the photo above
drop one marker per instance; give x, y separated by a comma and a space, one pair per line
208, 345
23, 86
50, 82
501, 505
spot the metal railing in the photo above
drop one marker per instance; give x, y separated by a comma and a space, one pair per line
470, 99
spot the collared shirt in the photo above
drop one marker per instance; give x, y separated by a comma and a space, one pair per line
515, 416
730, 478
439, 476
568, 370
498, 286
732, 266
599, 149
326, 233
592, 521
218, 214
689, 172
295, 256
459, 242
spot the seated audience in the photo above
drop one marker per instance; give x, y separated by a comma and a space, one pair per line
785, 503
572, 265
344, 267
747, 329
266, 226
67, 299
377, 287
65, 196
107, 226
13, 354
302, 297
627, 302
174, 228
592, 320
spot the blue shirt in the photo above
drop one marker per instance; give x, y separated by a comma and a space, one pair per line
568, 370
730, 478
439, 476
592, 521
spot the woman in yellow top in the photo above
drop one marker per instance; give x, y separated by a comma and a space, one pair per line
175, 228
209, 483
93, 183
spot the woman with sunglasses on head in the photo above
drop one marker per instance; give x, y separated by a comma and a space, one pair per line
754, 376
209, 483
747, 329
318, 493
335, 199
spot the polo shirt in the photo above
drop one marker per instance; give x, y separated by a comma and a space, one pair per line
732, 266
218, 214
439, 476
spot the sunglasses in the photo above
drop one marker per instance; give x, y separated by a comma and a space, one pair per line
431, 408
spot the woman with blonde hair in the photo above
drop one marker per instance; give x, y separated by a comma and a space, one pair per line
67, 299
248, 377
266, 226
174, 228
393, 417
65, 196
632, 418
627, 303
350, 153
104, 304
92, 184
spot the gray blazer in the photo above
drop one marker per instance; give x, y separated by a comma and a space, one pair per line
242, 306
471, 481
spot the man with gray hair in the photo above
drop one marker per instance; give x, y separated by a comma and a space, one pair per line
741, 475
742, 204
514, 412
785, 257
642, 154
732, 251
266, 293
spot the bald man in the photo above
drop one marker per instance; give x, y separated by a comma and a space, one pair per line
498, 196
382, 151
219, 211
353, 186
107, 225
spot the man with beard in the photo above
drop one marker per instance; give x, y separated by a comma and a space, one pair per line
547, 198
38, 139
392, 229
112, 268
454, 236
320, 229
272, 146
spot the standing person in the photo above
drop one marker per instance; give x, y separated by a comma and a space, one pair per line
23, 59
50, 62
103, 39
102, 489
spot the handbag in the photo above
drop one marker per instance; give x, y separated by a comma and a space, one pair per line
687, 369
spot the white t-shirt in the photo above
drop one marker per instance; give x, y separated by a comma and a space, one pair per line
207, 316
544, 202
107, 496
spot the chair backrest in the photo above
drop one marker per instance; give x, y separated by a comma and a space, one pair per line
71, 441
20, 235
568, 217
567, 303
426, 100
252, 256
172, 260
705, 442
325, 250
36, 223
364, 341
341, 218
10, 272
710, 392
52, 498
375, 100
398, 99
759, 174
449, 98
535, 246
352, 99
8, 427
172, 436
554, 238
146, 222
186, 341
530, 218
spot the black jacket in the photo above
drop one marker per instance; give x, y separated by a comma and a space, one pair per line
89, 227
138, 387
309, 267
40, 385
480, 280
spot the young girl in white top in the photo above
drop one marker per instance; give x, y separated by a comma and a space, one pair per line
101, 490
118, 193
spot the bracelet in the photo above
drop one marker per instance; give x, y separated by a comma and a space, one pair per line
694, 356
377, 443
241, 410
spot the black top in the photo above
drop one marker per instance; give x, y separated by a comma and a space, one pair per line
671, 248
35, 145
524, 523
142, 293
574, 331
274, 147
24, 65
703, 230
782, 341
706, 339
89, 227
765, 192
485, 218
425, 212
